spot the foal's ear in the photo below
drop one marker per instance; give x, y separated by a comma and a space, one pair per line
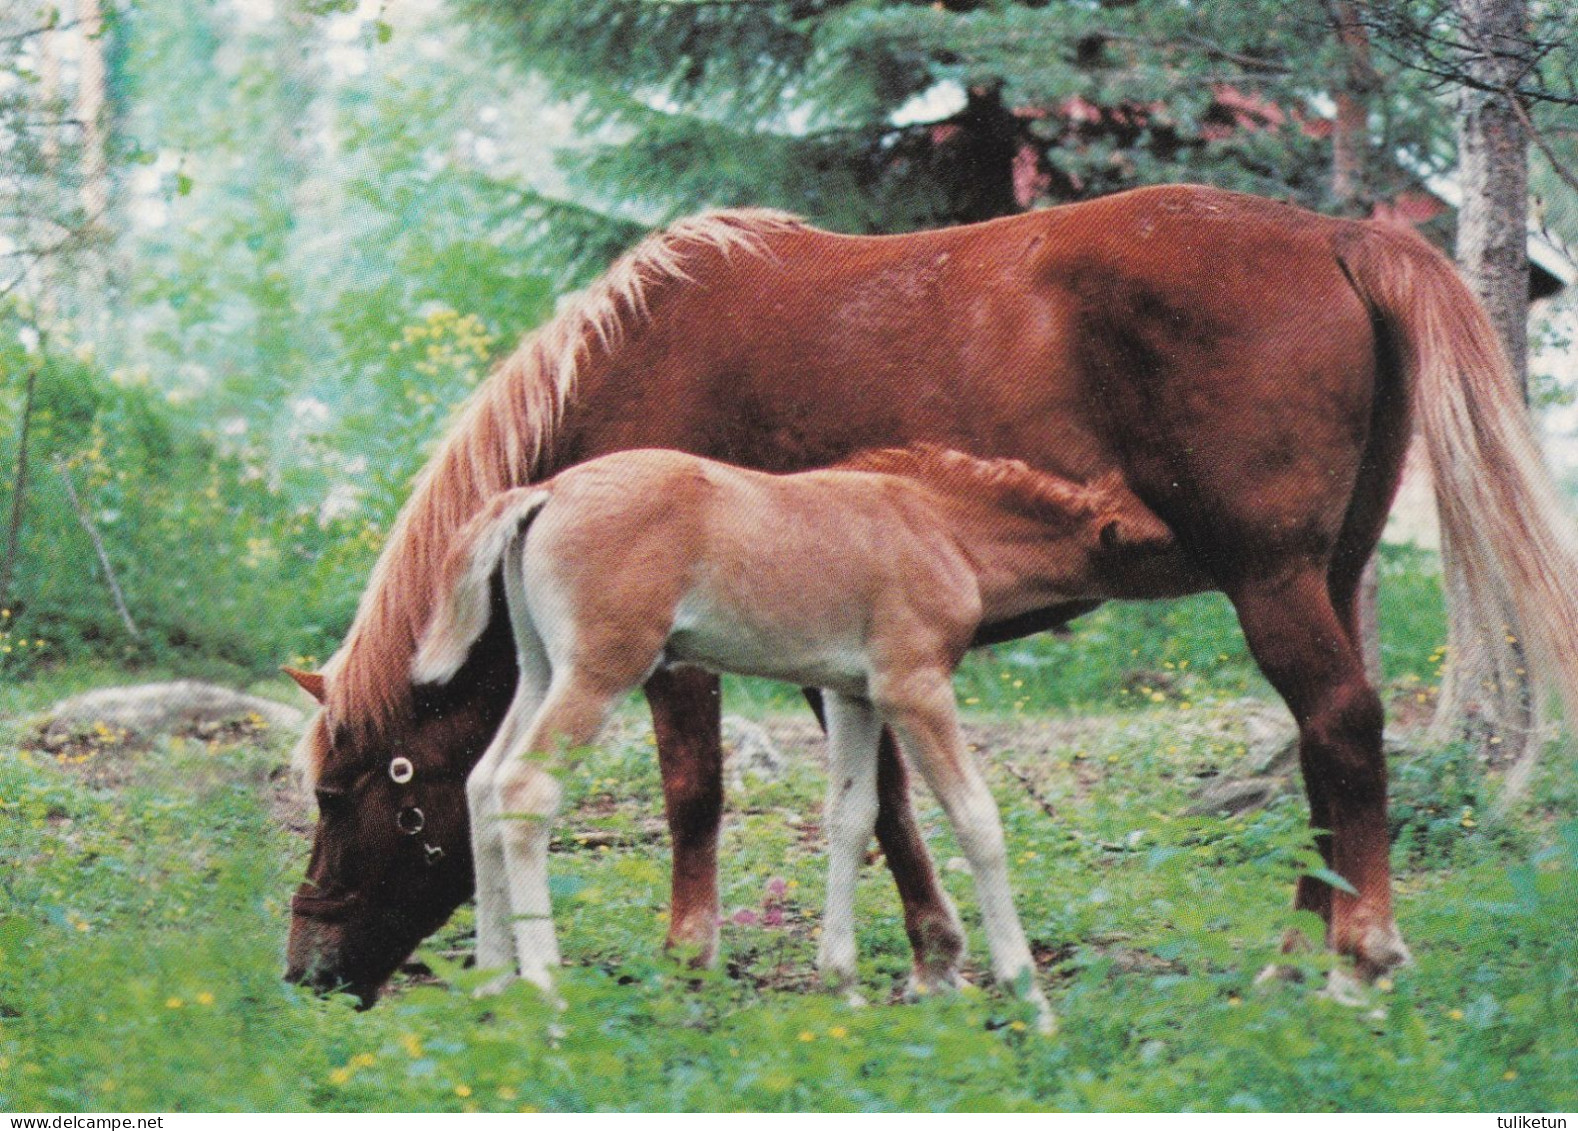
310, 682
1134, 526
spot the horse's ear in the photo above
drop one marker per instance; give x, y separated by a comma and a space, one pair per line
310, 682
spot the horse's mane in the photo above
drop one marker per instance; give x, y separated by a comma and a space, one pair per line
503, 438
1008, 483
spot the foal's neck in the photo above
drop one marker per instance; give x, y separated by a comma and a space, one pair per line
1021, 555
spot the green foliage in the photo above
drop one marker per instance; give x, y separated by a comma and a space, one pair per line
810, 106
245, 437
189, 533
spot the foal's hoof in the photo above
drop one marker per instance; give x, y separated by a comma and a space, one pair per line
496, 985
1046, 1020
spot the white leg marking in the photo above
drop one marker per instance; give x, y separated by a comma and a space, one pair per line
853, 730
495, 941
528, 797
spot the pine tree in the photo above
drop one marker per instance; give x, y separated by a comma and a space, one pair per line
838, 110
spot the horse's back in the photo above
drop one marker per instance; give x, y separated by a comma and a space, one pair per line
1204, 344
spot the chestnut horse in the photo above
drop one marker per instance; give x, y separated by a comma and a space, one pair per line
1251, 371
868, 581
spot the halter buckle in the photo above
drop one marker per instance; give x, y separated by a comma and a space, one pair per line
410, 820
401, 770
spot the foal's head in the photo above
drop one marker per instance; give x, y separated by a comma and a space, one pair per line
391, 856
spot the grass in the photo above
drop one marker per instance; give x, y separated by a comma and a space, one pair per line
142, 927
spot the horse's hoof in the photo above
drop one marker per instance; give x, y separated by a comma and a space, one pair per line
694, 943
1295, 941
1381, 952
923, 985
1278, 972
1345, 988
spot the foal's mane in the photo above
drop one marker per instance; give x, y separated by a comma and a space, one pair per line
1008, 483
504, 438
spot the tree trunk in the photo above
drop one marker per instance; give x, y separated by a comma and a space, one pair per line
93, 163
1492, 251
13, 532
1493, 159
1351, 190
49, 152
1353, 195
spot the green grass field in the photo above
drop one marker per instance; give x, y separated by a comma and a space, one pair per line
143, 914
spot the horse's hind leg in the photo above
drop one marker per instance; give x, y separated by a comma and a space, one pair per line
1307, 654
930, 920
686, 719
853, 729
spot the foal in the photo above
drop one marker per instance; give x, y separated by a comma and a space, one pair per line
868, 580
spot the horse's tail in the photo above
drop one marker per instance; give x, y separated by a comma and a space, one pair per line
1508, 543
464, 603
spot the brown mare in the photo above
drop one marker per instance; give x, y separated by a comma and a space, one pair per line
1251, 371
868, 581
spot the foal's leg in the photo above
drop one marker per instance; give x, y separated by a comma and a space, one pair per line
1306, 653
920, 708
495, 943
528, 796
935, 934
686, 718
853, 727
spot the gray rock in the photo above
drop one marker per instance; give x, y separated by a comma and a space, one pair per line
147, 709
1226, 796
749, 750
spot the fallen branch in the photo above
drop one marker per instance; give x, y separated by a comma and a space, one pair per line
1029, 786
98, 547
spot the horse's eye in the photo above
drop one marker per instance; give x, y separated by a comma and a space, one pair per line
331, 799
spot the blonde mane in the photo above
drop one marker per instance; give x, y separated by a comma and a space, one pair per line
503, 438
1009, 483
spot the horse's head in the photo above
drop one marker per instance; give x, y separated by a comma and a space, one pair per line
391, 857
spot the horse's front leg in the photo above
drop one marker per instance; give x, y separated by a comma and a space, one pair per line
528, 797
935, 934
495, 939
687, 720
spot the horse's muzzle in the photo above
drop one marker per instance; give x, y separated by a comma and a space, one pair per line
326, 908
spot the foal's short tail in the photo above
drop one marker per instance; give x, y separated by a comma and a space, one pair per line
465, 593
1508, 541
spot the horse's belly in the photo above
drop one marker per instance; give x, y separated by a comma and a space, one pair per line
808, 651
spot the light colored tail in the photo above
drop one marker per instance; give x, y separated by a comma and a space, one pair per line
1509, 544
464, 598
